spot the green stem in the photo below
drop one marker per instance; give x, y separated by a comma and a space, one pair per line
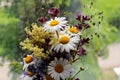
75, 60
76, 74
57, 34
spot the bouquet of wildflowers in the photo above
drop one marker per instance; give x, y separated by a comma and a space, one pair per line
54, 47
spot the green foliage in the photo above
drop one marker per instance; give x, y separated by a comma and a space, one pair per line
89, 62
14, 9
111, 13
109, 7
9, 36
31, 10
102, 34
16, 67
60, 3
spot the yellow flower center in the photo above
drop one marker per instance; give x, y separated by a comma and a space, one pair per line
73, 30
64, 39
28, 59
59, 68
48, 77
54, 23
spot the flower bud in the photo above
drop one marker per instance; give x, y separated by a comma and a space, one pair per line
54, 12
87, 26
42, 20
87, 18
81, 51
79, 26
85, 40
82, 68
79, 15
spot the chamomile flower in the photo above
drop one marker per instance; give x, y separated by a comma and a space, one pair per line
66, 43
27, 61
74, 31
60, 69
56, 24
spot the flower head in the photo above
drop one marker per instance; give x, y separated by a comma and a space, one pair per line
42, 20
74, 31
81, 51
54, 12
79, 26
79, 16
85, 40
56, 24
60, 69
27, 61
87, 18
66, 43
28, 58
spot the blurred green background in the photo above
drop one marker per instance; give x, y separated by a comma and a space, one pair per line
15, 15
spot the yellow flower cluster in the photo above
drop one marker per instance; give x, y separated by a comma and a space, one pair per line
38, 42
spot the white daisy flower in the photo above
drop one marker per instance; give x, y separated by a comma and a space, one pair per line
55, 24
60, 69
74, 31
66, 43
27, 61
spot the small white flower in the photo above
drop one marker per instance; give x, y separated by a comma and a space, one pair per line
66, 43
55, 24
27, 61
60, 68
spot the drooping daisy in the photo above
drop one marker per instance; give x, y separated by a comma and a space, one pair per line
74, 31
66, 43
27, 61
56, 24
60, 69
